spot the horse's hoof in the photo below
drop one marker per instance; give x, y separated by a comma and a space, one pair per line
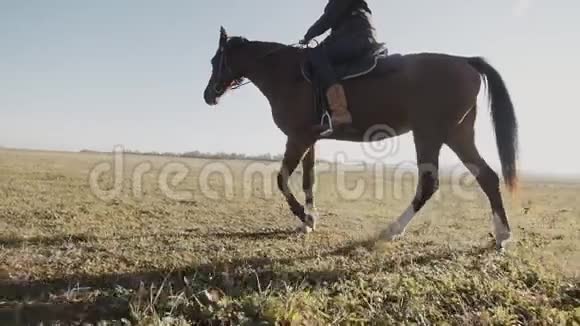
310, 221
305, 229
392, 233
501, 241
311, 225
310, 218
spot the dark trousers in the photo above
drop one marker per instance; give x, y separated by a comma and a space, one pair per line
336, 50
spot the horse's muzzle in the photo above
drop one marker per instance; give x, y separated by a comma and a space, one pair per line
210, 96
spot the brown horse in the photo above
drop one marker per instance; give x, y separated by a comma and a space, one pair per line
431, 95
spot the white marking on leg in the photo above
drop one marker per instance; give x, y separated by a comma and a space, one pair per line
502, 234
311, 216
310, 211
397, 228
305, 229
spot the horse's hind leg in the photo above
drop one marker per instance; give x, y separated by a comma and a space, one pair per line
428, 149
462, 142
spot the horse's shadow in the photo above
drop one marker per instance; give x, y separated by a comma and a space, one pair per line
59, 240
15, 242
257, 235
230, 275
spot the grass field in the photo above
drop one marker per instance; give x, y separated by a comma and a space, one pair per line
219, 254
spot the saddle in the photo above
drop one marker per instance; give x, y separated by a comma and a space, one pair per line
376, 62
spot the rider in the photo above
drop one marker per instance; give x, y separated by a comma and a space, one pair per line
352, 36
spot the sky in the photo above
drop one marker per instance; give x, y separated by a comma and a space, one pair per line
94, 74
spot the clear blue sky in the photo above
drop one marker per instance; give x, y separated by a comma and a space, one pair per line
92, 74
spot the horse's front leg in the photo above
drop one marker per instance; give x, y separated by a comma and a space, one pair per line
295, 149
308, 180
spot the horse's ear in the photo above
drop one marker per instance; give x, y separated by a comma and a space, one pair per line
223, 36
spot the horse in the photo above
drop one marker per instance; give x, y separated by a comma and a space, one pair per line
431, 95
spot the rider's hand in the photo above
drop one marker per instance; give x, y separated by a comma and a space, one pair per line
304, 41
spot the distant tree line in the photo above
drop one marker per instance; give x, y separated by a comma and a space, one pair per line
203, 155
233, 156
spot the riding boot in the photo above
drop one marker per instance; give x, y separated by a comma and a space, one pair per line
338, 106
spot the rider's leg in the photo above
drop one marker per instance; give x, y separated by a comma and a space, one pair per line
321, 61
334, 51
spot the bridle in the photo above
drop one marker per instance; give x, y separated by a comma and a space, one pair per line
223, 66
238, 82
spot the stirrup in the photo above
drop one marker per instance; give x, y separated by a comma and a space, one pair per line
326, 116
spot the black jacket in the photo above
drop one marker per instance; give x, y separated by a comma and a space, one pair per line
343, 17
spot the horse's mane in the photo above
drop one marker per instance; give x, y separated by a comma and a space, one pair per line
239, 41
271, 53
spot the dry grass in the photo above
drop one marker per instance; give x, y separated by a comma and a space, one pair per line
67, 256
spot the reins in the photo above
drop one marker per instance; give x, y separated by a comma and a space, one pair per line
239, 84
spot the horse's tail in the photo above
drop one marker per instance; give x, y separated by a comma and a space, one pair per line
504, 120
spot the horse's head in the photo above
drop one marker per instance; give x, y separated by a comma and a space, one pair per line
223, 77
